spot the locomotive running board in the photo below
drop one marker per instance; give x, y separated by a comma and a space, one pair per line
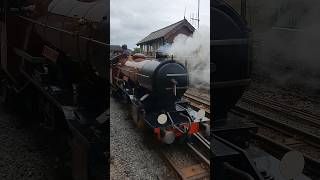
223, 84
229, 42
224, 152
28, 57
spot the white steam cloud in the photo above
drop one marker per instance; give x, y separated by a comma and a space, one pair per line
195, 52
287, 32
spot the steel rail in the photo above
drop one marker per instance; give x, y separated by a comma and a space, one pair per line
203, 145
289, 111
198, 153
190, 172
202, 100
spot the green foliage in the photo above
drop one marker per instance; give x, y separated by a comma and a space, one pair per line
136, 50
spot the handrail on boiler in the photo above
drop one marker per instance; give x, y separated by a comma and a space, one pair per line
64, 31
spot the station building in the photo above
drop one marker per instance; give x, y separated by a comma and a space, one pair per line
151, 43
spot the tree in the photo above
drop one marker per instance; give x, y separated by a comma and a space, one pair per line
137, 50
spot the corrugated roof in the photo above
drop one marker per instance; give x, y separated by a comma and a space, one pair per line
162, 32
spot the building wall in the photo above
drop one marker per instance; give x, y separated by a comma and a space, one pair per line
170, 37
150, 48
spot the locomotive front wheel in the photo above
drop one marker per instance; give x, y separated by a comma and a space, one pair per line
141, 119
138, 116
140, 122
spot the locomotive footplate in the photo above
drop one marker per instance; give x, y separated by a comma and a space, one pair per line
231, 162
236, 130
88, 144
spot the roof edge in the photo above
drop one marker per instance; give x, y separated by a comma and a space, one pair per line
186, 21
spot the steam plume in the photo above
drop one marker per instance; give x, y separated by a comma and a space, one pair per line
289, 53
195, 51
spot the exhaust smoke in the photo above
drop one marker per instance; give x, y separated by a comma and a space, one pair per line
195, 52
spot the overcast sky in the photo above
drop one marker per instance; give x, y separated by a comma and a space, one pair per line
132, 20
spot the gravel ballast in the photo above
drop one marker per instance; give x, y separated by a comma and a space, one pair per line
19, 157
131, 156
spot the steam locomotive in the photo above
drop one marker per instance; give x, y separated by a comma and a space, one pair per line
154, 89
54, 66
233, 154
231, 75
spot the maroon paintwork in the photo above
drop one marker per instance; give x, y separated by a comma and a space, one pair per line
76, 29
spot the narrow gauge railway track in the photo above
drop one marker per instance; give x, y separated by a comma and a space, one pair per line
201, 147
198, 149
198, 102
198, 152
282, 136
199, 99
292, 124
291, 112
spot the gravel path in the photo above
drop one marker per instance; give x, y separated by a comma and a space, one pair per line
19, 159
131, 156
